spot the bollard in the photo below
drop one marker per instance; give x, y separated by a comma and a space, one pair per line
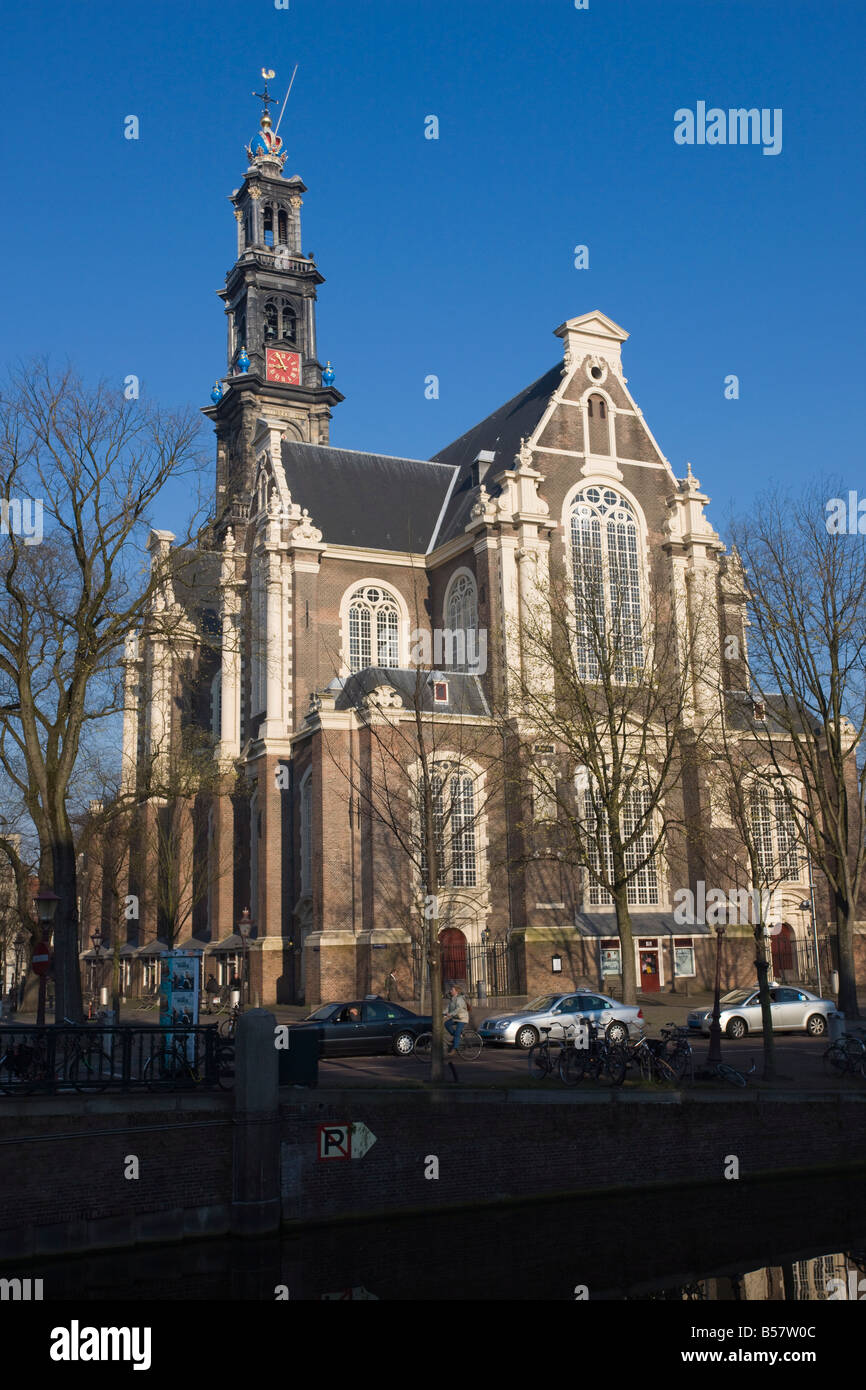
256, 1148
835, 1026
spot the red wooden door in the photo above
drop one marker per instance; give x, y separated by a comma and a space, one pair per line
649, 969
453, 954
782, 946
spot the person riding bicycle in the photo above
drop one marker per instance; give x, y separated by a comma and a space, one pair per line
456, 1016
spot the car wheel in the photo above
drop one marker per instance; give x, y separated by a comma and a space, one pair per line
737, 1028
403, 1044
617, 1032
816, 1025
527, 1037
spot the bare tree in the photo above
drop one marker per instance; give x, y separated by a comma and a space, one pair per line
80, 469
612, 687
807, 603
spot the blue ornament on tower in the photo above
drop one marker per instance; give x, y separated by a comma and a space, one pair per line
328, 376
243, 360
216, 394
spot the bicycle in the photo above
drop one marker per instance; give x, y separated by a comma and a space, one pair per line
228, 1026
541, 1059
171, 1067
731, 1074
846, 1054
469, 1047
648, 1054
677, 1050
594, 1056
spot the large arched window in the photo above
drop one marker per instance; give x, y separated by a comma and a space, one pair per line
775, 834
606, 573
461, 623
280, 320
374, 629
454, 826
640, 859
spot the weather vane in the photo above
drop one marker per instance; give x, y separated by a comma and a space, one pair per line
265, 97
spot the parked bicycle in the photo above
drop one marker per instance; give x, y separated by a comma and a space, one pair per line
590, 1053
649, 1056
171, 1066
677, 1050
731, 1074
468, 1048
544, 1057
228, 1026
847, 1055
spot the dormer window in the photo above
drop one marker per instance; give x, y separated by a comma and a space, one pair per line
440, 692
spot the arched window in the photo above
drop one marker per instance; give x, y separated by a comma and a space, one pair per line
240, 329
307, 834
605, 557
640, 860
280, 320
374, 629
282, 227
271, 320
599, 438
461, 624
454, 827
290, 322
268, 224
775, 834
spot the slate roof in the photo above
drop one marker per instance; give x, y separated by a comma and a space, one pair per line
500, 433
601, 924
368, 500
739, 707
465, 695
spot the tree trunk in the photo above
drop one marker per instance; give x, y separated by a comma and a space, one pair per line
762, 965
845, 916
67, 972
436, 1052
626, 940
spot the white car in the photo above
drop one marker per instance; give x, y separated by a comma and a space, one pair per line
523, 1027
791, 1008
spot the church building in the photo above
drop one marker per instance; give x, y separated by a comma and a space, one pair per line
279, 643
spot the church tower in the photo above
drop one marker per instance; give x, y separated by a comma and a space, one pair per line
274, 378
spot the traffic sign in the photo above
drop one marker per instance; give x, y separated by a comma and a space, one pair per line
41, 960
345, 1141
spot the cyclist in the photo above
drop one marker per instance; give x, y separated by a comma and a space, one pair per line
456, 1016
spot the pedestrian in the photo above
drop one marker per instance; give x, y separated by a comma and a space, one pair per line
456, 1016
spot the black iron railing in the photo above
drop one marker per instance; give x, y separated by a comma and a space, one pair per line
60, 1060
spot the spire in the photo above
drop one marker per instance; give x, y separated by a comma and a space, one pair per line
266, 146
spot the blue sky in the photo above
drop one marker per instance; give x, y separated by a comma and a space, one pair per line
455, 256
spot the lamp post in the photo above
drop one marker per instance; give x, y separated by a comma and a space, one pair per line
244, 926
19, 942
810, 904
46, 906
98, 940
714, 1055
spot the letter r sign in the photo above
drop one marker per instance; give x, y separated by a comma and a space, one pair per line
334, 1141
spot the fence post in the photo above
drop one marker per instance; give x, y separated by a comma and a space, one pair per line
256, 1146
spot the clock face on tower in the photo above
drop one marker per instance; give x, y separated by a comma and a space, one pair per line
282, 366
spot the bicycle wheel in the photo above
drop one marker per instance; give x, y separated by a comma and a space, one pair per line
90, 1069
538, 1059
665, 1073
423, 1045
572, 1065
615, 1065
730, 1074
471, 1044
227, 1027
835, 1060
225, 1065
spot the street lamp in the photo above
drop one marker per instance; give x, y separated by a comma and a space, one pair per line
46, 906
244, 927
98, 940
714, 1056
19, 941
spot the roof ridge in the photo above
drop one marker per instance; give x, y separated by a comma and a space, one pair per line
371, 453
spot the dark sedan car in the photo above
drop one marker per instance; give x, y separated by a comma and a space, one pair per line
365, 1026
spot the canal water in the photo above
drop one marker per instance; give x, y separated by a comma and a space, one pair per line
747, 1240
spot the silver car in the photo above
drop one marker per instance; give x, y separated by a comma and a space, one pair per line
790, 1007
523, 1028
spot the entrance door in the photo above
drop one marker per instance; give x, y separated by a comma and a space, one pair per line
782, 947
453, 954
650, 980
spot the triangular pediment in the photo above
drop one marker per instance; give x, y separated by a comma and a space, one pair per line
595, 324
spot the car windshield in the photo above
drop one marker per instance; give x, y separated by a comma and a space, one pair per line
323, 1012
541, 1004
737, 996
